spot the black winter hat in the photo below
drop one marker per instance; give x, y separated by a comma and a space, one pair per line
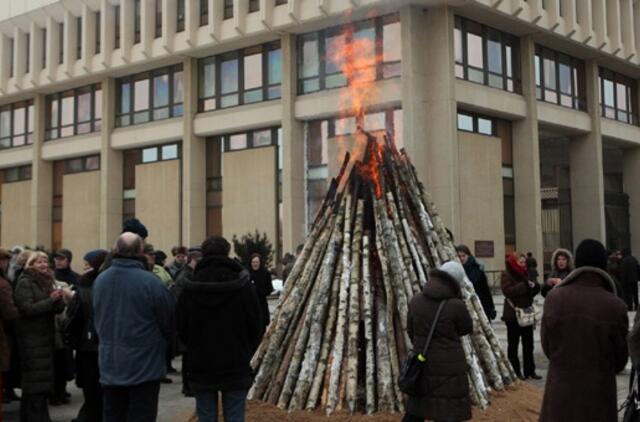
134, 225
591, 253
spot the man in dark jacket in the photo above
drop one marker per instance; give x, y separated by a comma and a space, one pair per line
584, 330
219, 300
629, 272
133, 316
62, 260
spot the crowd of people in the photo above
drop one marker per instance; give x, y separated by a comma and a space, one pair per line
115, 327
584, 331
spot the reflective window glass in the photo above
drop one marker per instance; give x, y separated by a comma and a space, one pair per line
494, 56
275, 66
465, 122
208, 85
621, 99
150, 155
229, 76
253, 71
5, 123
310, 60
485, 126
178, 87
161, 90
170, 152
457, 39
98, 104
84, 107
92, 163
334, 52
391, 42
375, 121
474, 50
262, 138
238, 141
549, 73
19, 120
30, 116
68, 110
608, 93
125, 97
565, 78
141, 95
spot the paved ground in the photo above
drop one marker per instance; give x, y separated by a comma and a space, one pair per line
174, 407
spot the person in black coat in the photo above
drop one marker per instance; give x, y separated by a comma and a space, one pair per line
444, 377
62, 260
629, 271
85, 339
261, 279
218, 319
561, 267
478, 278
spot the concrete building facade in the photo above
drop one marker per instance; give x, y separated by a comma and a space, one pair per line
224, 116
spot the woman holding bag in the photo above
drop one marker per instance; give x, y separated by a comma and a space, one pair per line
518, 292
444, 375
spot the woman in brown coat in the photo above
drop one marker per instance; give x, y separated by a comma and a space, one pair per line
8, 313
445, 373
518, 291
583, 332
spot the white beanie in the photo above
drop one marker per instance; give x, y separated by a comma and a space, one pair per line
455, 270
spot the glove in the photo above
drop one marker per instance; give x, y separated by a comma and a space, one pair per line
492, 314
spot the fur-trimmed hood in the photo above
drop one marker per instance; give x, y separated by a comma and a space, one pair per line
607, 281
565, 252
441, 285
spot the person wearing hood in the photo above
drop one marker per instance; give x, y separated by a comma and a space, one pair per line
475, 273
219, 299
561, 266
444, 376
62, 260
261, 279
583, 333
518, 291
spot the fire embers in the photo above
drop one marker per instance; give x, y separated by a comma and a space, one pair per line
339, 332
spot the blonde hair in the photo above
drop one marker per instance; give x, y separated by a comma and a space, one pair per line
23, 257
33, 257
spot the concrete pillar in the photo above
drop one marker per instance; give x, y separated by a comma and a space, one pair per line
88, 36
194, 164
526, 160
631, 175
293, 169
41, 181
19, 55
438, 109
587, 179
127, 17
107, 25
148, 25
52, 46
110, 170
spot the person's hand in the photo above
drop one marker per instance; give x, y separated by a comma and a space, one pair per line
56, 295
554, 281
492, 314
532, 284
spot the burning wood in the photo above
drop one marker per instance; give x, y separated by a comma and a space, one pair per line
339, 331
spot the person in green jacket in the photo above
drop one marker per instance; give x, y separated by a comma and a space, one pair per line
158, 270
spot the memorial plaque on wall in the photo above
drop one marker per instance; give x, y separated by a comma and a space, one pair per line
484, 249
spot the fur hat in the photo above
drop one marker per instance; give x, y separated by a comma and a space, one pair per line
455, 270
591, 253
134, 225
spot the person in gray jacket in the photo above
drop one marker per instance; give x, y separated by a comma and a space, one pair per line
134, 319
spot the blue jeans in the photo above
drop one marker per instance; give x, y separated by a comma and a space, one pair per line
233, 405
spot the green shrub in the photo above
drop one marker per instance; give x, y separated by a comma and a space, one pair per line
251, 243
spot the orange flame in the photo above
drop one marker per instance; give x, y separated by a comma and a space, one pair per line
355, 55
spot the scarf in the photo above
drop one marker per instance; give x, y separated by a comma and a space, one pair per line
516, 266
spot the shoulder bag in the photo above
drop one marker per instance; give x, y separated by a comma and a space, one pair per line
413, 364
526, 317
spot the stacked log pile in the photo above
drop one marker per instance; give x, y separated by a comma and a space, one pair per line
339, 332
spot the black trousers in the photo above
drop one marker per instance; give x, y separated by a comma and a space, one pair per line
33, 408
137, 403
88, 378
514, 333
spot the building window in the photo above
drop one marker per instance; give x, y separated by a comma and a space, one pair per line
254, 6
61, 43
158, 30
148, 96
560, 79
204, 12
44, 48
486, 56
180, 16
137, 21
618, 96
16, 124
161, 153
17, 174
28, 55
82, 164
251, 139
471, 122
11, 53
240, 77
78, 38
74, 112
116, 12
318, 67
280, 2
98, 32
227, 9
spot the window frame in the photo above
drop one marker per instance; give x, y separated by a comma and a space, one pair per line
23, 173
83, 165
98, 29
137, 21
227, 9
117, 24
475, 117
130, 80
78, 37
577, 70
487, 34
159, 152
631, 93
239, 56
204, 12
29, 108
180, 15
321, 36
95, 124
250, 134
158, 19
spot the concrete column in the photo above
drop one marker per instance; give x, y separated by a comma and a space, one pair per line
35, 50
631, 175
107, 25
127, 17
19, 55
147, 27
169, 24
5, 61
587, 179
614, 25
293, 159
69, 41
600, 23
526, 160
52, 46
194, 164
437, 159
88, 36
110, 170
585, 19
41, 181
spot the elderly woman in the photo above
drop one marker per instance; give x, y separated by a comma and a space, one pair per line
261, 279
37, 301
445, 375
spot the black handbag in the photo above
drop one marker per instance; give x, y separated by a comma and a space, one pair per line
413, 364
631, 405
